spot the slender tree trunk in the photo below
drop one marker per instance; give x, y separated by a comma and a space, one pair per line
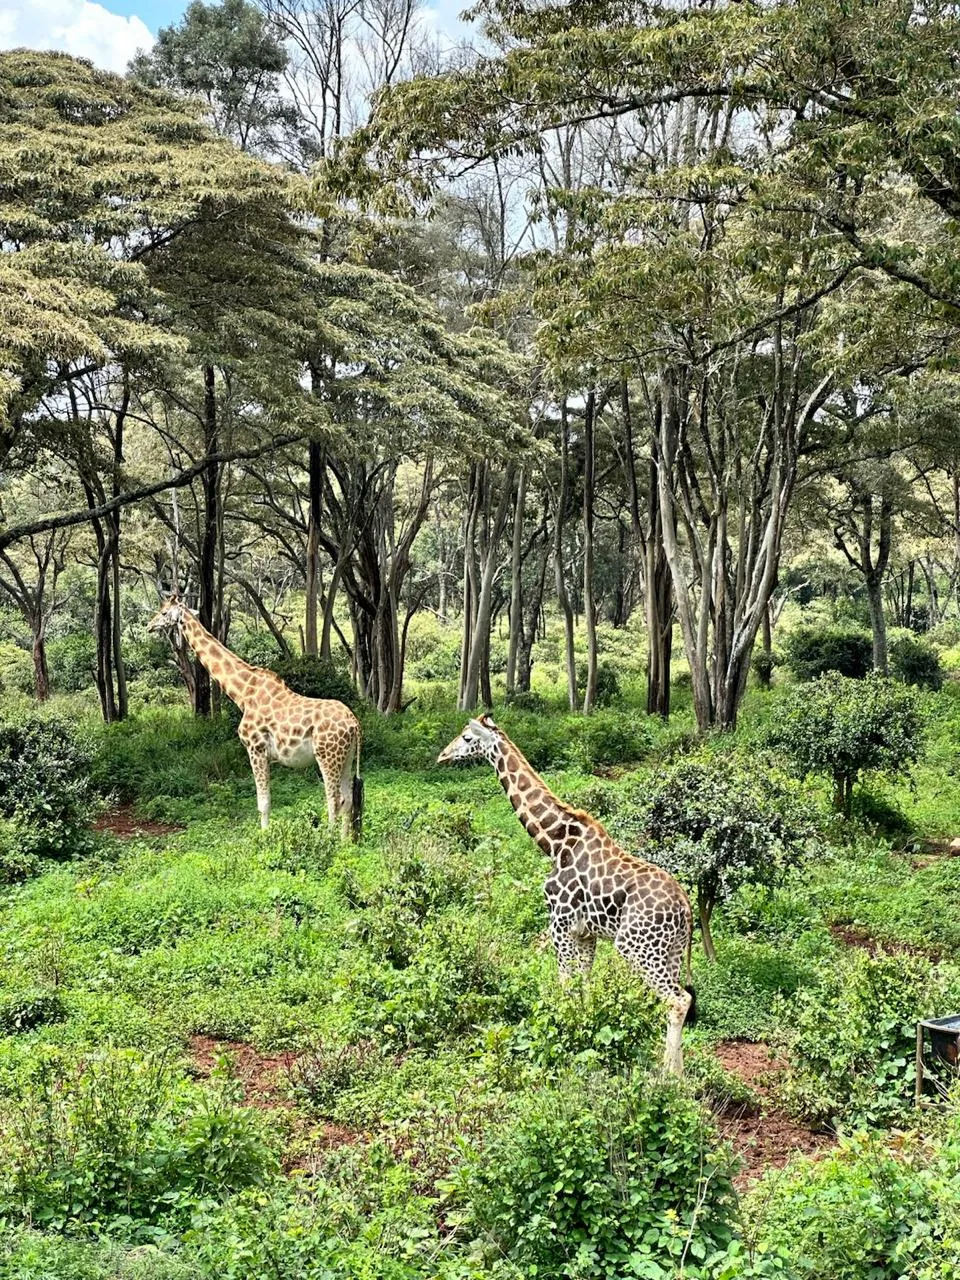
312, 557
41, 672
516, 585
478, 664
878, 624
589, 604
208, 544
563, 596
705, 912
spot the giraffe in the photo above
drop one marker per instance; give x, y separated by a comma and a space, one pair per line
595, 889
278, 724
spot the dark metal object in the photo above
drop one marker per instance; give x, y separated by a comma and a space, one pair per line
940, 1067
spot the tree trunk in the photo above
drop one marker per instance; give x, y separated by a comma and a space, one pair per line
705, 912
589, 604
41, 672
312, 556
878, 624
516, 585
563, 596
208, 544
478, 662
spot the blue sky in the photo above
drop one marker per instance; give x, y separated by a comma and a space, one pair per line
110, 32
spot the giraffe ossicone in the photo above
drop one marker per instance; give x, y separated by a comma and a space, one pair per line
278, 725
595, 889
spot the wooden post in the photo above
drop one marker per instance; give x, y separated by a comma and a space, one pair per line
919, 1082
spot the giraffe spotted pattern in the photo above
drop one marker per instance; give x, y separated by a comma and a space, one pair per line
595, 889
278, 725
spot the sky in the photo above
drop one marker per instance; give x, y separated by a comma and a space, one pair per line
109, 34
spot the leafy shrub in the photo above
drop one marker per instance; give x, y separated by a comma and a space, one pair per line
148, 659
45, 788
811, 651
763, 663
73, 662
871, 1210
163, 752
844, 728
614, 1022
259, 648
17, 863
23, 1010
851, 1040
315, 678
119, 1138
916, 662
599, 1178
608, 683
16, 669
718, 825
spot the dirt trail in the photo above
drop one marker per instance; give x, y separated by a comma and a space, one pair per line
125, 825
764, 1136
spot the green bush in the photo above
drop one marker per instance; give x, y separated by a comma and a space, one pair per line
811, 651
316, 678
259, 648
916, 662
600, 1178
119, 1140
851, 1039
845, 728
717, 825
608, 683
164, 752
72, 661
45, 790
871, 1210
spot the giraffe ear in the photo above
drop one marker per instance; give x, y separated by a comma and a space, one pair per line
488, 721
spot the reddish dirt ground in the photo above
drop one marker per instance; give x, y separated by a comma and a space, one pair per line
851, 936
764, 1137
265, 1079
125, 825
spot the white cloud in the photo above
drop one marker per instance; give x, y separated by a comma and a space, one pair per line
74, 26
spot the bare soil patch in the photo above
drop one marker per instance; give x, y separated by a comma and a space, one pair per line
851, 936
125, 825
265, 1079
763, 1136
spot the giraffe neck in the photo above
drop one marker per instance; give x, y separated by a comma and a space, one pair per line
231, 673
534, 803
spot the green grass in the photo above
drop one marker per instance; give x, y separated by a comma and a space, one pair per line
411, 974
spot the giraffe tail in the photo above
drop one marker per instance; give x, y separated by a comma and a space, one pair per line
356, 813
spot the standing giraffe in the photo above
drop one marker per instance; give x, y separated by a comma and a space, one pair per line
278, 724
595, 889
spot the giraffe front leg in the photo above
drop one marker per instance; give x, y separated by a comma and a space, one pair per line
260, 764
331, 786
586, 950
567, 947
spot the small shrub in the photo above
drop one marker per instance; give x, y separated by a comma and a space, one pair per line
120, 1139
763, 663
916, 662
871, 1210
811, 651
73, 662
315, 678
851, 1039
844, 728
718, 825
45, 790
608, 683
596, 1178
21, 1011
259, 648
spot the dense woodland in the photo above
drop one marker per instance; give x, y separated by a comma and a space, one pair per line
601, 369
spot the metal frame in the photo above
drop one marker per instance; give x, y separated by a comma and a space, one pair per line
933, 1025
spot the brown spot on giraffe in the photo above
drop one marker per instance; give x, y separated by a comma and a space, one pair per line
594, 889
277, 724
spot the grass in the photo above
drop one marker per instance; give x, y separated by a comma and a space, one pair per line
410, 973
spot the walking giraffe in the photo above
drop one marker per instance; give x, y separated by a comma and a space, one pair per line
278, 724
595, 889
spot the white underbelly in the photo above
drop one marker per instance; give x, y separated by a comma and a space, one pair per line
296, 757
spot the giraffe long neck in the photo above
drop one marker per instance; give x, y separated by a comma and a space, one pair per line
232, 674
534, 803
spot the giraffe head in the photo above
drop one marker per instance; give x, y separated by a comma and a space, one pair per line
170, 617
477, 742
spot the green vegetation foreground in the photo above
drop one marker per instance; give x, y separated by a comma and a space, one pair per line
237, 1053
